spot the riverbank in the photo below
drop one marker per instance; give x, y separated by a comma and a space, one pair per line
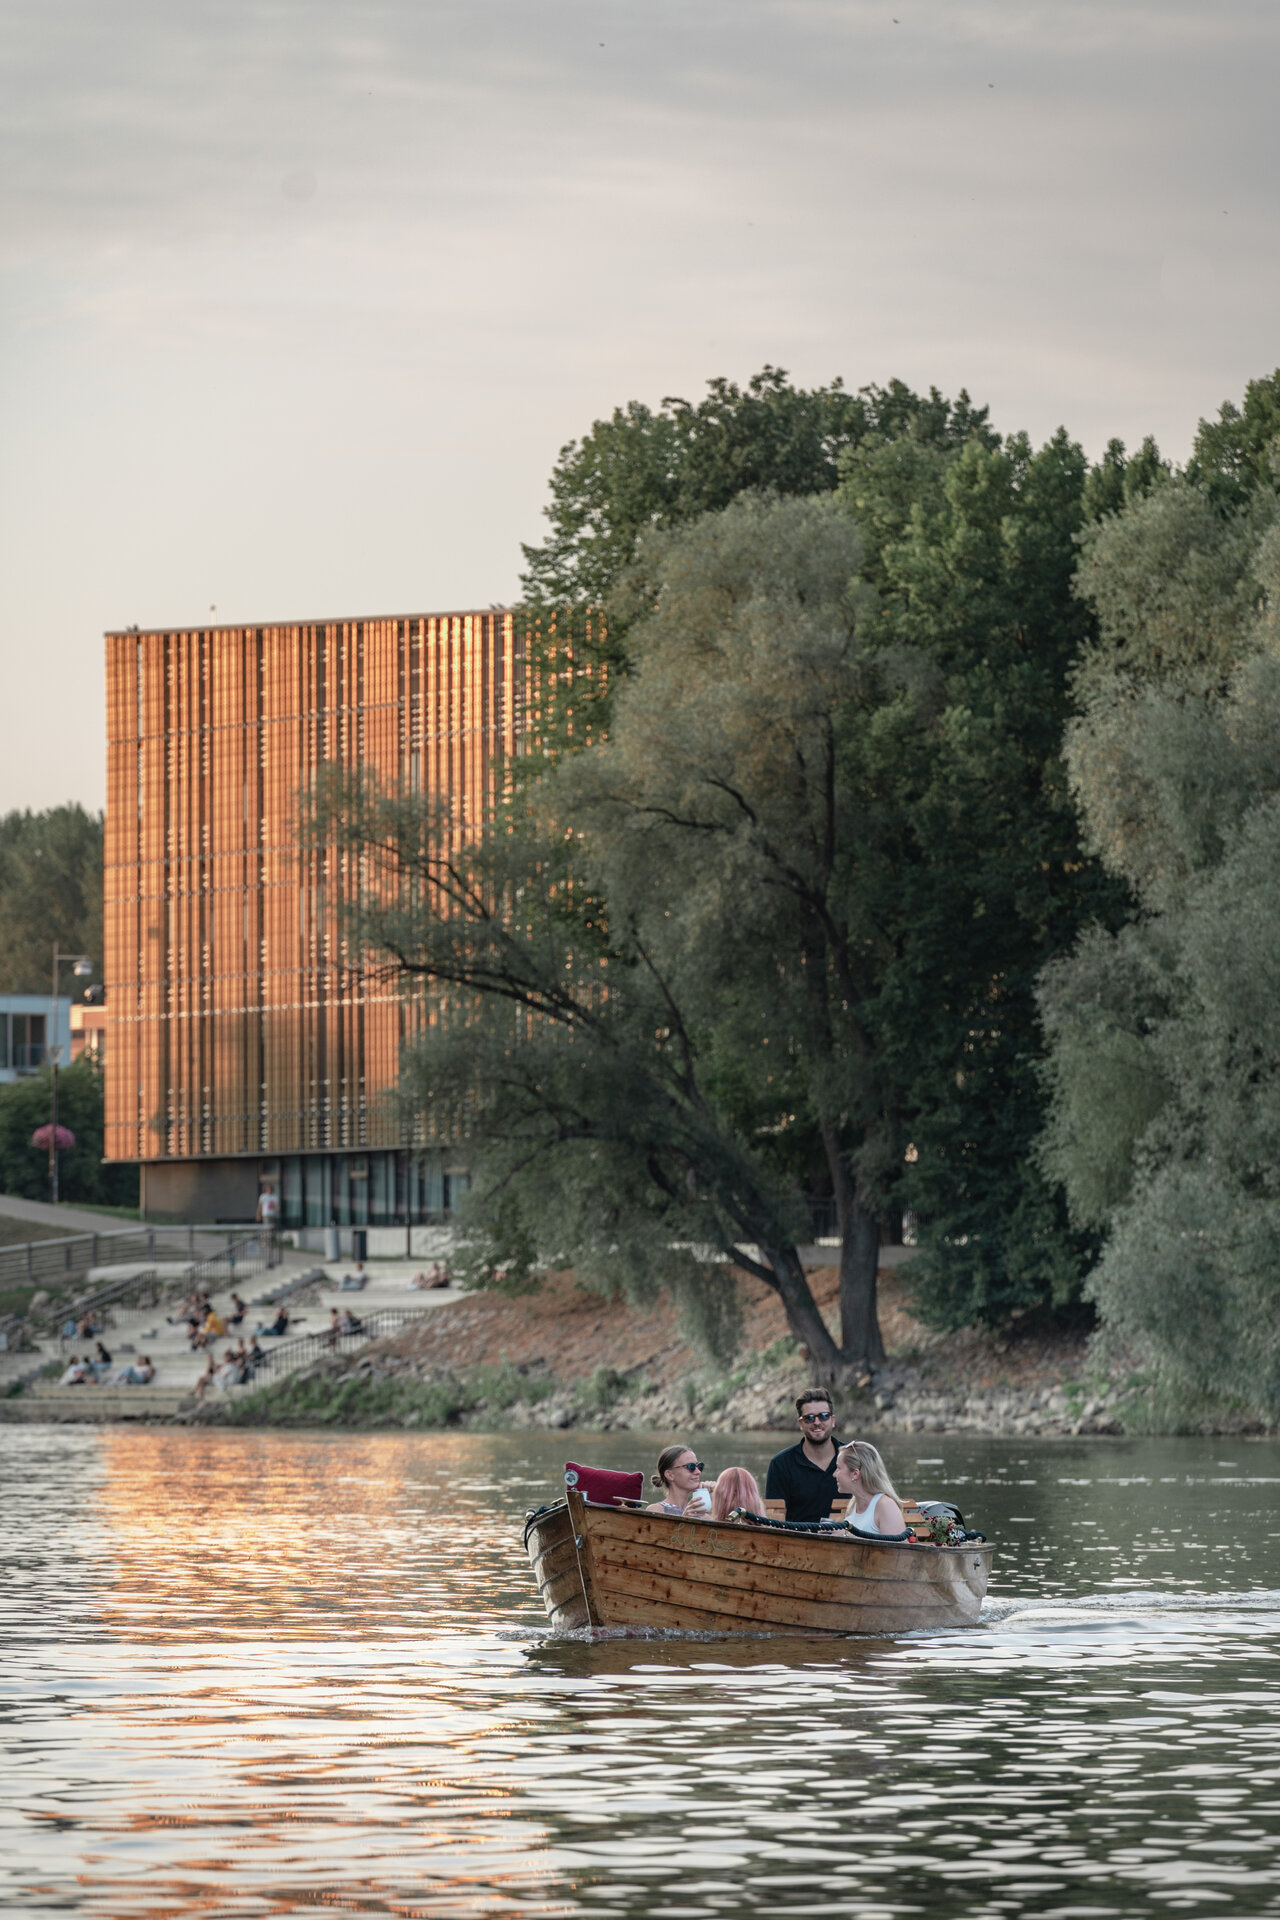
565, 1358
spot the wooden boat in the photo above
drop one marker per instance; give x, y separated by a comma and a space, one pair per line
611, 1566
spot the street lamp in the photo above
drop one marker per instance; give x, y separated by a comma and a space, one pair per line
82, 966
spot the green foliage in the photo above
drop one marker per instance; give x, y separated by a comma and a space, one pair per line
972, 551
1172, 583
320, 1400
1120, 479
1240, 450
50, 893
1164, 1069
602, 1391
82, 1174
645, 469
786, 918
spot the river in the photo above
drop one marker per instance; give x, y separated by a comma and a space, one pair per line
263, 1674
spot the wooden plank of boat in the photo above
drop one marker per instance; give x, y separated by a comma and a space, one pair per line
557, 1568
626, 1586
656, 1570
738, 1586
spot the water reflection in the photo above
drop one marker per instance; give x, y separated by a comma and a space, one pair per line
264, 1674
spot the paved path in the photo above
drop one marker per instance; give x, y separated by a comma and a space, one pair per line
69, 1219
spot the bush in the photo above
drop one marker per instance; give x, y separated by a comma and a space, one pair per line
82, 1174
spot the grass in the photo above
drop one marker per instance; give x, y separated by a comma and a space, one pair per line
319, 1400
16, 1233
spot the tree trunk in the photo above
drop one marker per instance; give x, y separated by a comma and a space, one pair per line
804, 1321
862, 1348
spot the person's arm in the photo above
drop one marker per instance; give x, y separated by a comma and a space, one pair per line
775, 1482
889, 1516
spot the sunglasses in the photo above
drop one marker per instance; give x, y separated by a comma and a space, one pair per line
816, 1419
690, 1466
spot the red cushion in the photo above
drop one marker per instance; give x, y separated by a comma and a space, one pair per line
602, 1485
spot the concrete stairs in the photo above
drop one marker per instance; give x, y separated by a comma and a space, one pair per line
147, 1330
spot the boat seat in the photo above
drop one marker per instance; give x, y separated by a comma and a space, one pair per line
777, 1510
602, 1484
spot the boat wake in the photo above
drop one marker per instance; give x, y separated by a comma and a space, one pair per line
1137, 1613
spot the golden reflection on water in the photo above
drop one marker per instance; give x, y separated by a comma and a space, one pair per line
271, 1674
282, 1535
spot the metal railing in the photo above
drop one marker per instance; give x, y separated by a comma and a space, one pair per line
71, 1256
238, 1260
141, 1292
289, 1355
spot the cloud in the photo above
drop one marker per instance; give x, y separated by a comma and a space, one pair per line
300, 297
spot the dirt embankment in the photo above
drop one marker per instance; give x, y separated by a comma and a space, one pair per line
585, 1360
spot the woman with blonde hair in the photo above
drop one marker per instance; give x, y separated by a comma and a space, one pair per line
735, 1488
873, 1504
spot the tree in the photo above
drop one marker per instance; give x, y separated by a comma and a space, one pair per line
1239, 452
701, 973
971, 550
50, 892
648, 470
83, 1174
1164, 1061
658, 977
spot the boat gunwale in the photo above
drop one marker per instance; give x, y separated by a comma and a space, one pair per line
839, 1536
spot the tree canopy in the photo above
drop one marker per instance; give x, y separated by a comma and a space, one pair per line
50, 892
83, 1175
1164, 1066
971, 551
647, 469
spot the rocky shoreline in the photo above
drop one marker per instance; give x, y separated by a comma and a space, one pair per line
565, 1357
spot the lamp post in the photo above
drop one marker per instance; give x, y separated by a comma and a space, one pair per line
82, 966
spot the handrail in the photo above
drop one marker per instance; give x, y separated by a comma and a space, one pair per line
70, 1256
373, 1326
215, 1265
104, 1298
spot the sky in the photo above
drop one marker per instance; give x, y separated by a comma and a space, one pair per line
298, 301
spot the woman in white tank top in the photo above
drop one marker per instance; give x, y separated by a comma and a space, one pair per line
873, 1504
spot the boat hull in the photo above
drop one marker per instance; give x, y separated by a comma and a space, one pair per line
604, 1566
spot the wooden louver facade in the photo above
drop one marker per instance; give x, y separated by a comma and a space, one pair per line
237, 1027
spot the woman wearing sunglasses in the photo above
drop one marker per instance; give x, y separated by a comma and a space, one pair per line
680, 1477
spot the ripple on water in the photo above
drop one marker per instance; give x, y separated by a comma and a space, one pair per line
264, 1674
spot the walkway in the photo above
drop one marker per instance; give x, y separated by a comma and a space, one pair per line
69, 1219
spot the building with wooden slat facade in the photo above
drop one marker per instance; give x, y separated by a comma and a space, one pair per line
241, 1049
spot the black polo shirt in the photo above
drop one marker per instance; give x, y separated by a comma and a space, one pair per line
807, 1490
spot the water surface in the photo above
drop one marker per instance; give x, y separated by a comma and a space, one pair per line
259, 1674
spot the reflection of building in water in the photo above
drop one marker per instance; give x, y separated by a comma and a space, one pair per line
243, 1047
271, 1536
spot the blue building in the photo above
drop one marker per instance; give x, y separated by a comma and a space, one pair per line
25, 1035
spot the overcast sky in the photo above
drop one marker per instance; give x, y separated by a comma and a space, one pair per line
299, 300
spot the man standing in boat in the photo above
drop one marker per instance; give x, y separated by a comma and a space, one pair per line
805, 1475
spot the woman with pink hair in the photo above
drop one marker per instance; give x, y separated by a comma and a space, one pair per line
735, 1488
